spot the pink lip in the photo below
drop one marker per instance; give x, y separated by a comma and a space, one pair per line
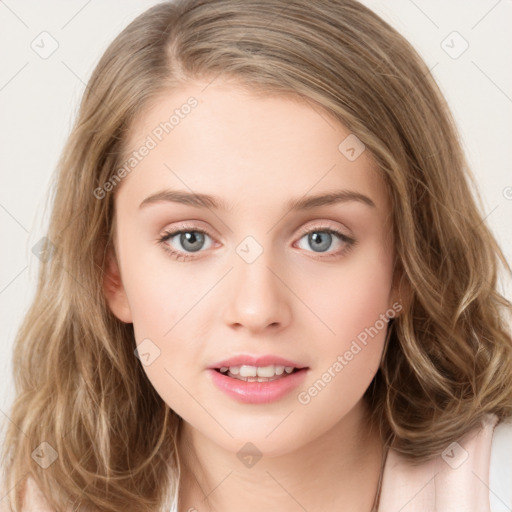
257, 392
249, 360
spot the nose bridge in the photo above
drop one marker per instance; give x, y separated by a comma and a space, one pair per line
257, 298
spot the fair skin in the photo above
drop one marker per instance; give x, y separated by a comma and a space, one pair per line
255, 154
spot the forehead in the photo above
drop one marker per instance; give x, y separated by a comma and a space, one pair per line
228, 141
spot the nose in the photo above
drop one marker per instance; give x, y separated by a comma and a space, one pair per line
258, 298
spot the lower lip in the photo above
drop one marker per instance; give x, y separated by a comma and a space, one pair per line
257, 392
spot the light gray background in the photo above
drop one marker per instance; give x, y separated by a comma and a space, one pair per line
39, 99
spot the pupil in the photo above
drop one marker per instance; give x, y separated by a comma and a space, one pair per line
316, 237
192, 237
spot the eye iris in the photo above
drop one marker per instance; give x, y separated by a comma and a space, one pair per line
192, 237
315, 240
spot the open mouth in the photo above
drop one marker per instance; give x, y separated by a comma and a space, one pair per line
256, 384
253, 374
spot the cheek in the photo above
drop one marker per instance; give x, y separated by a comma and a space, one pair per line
153, 308
354, 307
159, 292
354, 297
165, 302
165, 332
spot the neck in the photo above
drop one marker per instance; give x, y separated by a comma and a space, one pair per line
339, 470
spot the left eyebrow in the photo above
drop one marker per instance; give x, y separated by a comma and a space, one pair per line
340, 196
207, 201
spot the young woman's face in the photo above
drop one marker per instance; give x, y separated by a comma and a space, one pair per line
253, 275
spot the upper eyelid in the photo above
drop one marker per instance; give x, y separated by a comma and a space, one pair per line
323, 225
304, 230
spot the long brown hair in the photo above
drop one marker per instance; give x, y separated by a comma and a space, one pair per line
448, 360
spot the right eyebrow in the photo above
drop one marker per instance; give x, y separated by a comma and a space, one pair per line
183, 197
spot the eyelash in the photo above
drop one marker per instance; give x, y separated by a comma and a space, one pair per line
178, 255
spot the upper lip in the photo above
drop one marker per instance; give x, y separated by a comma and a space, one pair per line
247, 359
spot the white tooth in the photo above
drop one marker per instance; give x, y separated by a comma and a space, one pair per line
248, 371
224, 369
288, 369
279, 370
235, 370
266, 371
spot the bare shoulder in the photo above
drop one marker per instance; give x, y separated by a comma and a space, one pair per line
500, 472
33, 498
35, 501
